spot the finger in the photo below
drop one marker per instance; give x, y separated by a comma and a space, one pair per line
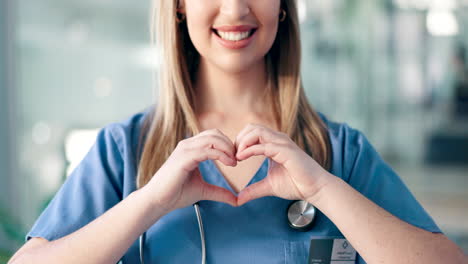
265, 134
219, 133
227, 139
215, 193
254, 191
215, 154
258, 135
213, 141
277, 152
198, 156
249, 127
246, 130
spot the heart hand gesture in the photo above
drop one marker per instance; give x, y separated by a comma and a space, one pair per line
293, 174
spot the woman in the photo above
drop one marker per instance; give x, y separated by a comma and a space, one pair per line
231, 105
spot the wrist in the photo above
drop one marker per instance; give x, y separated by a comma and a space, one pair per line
325, 184
148, 198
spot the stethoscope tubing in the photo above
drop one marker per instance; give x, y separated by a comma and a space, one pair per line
202, 237
202, 232
142, 242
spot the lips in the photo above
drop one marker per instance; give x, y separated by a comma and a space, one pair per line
234, 32
235, 37
238, 28
228, 35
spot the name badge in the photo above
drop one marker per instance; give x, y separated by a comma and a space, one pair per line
331, 250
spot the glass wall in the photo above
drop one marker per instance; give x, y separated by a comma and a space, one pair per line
396, 70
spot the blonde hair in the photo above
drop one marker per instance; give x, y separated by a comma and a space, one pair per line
174, 117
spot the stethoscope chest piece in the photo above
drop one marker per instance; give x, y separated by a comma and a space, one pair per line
301, 215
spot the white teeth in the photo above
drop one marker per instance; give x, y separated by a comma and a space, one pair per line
234, 36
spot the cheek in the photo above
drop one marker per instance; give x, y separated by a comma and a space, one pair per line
199, 21
198, 35
267, 14
269, 34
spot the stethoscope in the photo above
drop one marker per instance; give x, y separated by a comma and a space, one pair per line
301, 215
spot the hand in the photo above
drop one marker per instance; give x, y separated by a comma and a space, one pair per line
179, 183
293, 174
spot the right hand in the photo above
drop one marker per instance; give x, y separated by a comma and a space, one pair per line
179, 183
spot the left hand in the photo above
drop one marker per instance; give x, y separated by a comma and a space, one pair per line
293, 174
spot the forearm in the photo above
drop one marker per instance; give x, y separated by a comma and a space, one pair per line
377, 235
104, 240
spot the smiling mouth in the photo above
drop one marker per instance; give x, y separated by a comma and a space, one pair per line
234, 35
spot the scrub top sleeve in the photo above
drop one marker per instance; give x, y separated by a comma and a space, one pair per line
374, 178
93, 187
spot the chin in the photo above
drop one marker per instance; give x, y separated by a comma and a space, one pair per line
237, 65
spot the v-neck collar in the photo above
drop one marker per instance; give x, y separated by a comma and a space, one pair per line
213, 176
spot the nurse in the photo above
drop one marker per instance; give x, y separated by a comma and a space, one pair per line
233, 132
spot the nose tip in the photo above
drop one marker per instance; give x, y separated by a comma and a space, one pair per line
235, 8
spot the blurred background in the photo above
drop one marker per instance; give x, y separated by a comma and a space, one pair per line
395, 69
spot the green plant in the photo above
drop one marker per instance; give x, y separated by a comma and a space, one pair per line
4, 256
13, 231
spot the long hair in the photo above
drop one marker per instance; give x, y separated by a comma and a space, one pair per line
174, 116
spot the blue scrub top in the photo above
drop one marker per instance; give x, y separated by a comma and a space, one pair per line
257, 232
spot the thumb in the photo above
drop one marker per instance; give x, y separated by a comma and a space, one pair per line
254, 191
215, 193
